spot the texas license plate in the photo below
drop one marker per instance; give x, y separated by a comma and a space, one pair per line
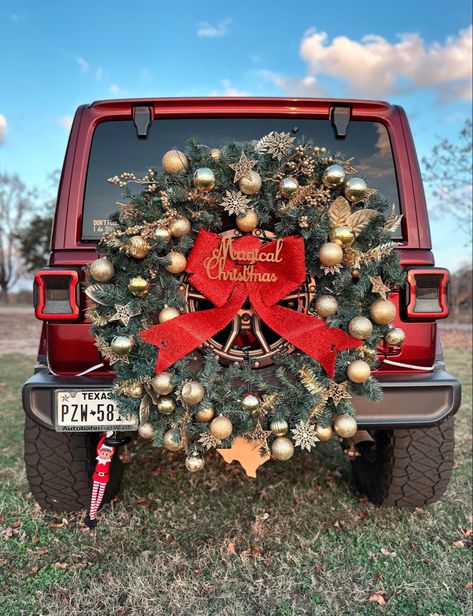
89, 410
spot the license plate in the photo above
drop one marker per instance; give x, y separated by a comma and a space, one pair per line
89, 410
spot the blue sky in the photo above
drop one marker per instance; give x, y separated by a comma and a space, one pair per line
56, 56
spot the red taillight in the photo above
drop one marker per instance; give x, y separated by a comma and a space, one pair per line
56, 294
427, 293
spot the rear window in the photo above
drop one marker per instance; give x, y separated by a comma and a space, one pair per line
116, 148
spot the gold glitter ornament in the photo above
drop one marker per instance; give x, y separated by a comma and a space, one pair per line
324, 433
288, 187
282, 448
162, 234
248, 221
134, 391
358, 371
192, 393
252, 184
360, 327
146, 431
101, 270
333, 176
161, 383
137, 247
194, 463
326, 305
138, 286
330, 254
355, 189
216, 153
343, 236
204, 179
168, 313
355, 273
205, 414
180, 227
177, 263
221, 427
166, 405
395, 337
250, 403
173, 440
345, 426
279, 427
383, 311
174, 161
121, 345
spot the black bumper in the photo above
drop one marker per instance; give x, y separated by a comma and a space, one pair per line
410, 401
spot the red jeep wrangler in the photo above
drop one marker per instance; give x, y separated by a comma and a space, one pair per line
407, 457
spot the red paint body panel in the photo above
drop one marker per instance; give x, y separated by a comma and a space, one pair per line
70, 346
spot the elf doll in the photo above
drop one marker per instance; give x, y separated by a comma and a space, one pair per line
100, 478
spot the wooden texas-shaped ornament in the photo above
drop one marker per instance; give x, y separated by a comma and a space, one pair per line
247, 453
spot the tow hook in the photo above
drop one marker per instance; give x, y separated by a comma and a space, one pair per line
351, 446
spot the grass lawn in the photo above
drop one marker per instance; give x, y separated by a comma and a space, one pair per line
298, 540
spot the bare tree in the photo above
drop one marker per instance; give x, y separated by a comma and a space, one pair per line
448, 174
15, 205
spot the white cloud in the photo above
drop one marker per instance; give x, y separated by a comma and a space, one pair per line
375, 67
84, 66
295, 86
114, 89
3, 128
228, 90
65, 122
99, 73
208, 30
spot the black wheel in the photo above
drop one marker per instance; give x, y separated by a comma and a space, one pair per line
59, 468
406, 468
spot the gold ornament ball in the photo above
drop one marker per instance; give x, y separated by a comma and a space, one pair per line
121, 345
204, 178
333, 176
162, 234
345, 426
177, 263
138, 286
146, 430
395, 336
343, 236
161, 383
282, 448
248, 221
194, 463
166, 405
216, 153
134, 391
102, 270
324, 433
360, 327
205, 414
355, 189
251, 185
330, 254
355, 273
192, 393
174, 161
382, 311
358, 371
138, 247
221, 427
326, 306
180, 227
167, 314
250, 403
288, 187
173, 440
279, 427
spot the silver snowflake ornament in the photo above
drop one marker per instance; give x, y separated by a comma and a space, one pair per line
235, 202
304, 435
276, 144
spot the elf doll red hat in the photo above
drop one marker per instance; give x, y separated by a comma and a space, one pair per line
100, 478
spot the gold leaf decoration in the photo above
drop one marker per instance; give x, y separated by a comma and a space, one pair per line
145, 408
393, 221
358, 220
339, 211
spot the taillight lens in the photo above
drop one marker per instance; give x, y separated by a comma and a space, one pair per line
56, 294
427, 293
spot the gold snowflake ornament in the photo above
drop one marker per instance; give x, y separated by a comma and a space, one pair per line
235, 202
243, 168
208, 441
275, 144
304, 435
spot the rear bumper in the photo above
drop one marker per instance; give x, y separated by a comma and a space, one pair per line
409, 401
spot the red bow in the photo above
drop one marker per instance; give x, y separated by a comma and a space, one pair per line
226, 273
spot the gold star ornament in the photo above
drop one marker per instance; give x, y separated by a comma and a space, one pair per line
243, 168
378, 286
338, 392
124, 312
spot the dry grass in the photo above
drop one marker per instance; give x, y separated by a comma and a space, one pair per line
298, 540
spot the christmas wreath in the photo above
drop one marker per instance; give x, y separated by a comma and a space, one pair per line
276, 236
